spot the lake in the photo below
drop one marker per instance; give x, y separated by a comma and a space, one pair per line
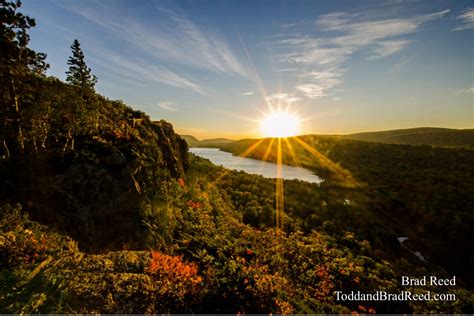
254, 166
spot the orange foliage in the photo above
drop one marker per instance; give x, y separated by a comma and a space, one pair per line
195, 205
172, 269
325, 284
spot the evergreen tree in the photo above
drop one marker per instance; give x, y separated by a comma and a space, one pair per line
80, 109
79, 74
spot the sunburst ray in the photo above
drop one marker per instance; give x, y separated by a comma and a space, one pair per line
345, 175
247, 152
279, 189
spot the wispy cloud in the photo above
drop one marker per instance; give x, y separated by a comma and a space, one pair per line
386, 48
170, 39
320, 82
464, 91
136, 70
342, 35
281, 99
168, 106
468, 90
286, 69
467, 20
208, 51
247, 93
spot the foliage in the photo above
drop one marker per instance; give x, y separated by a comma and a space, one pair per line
421, 192
214, 142
131, 223
17, 61
79, 74
421, 136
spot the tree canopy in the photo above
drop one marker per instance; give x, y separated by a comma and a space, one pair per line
17, 61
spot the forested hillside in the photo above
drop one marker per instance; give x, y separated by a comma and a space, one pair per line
104, 211
426, 193
191, 141
82, 163
441, 137
213, 142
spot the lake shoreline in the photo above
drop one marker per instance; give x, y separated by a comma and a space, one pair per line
254, 166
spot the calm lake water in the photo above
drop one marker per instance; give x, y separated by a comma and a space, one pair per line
253, 166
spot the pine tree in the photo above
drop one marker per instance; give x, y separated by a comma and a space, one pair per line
81, 111
79, 74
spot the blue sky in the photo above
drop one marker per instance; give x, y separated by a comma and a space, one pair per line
212, 67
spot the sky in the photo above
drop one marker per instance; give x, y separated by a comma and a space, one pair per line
214, 68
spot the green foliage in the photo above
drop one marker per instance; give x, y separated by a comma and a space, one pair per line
103, 179
213, 142
420, 136
58, 278
17, 62
421, 192
94, 164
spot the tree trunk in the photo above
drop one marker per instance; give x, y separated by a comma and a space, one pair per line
7, 151
67, 142
43, 142
21, 140
35, 145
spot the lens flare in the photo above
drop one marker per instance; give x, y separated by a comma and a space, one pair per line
279, 124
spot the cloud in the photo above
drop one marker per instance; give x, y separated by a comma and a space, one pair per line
467, 20
279, 99
312, 91
138, 71
342, 35
288, 25
169, 39
286, 69
247, 93
386, 48
468, 90
320, 82
168, 106
210, 52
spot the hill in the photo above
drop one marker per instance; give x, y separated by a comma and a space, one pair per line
425, 193
94, 185
420, 136
212, 142
104, 211
190, 140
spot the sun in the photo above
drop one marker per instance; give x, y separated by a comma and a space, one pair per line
279, 124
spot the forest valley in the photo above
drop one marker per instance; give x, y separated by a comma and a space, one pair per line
103, 210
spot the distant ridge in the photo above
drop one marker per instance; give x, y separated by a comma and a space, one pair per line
419, 136
190, 140
212, 142
431, 136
